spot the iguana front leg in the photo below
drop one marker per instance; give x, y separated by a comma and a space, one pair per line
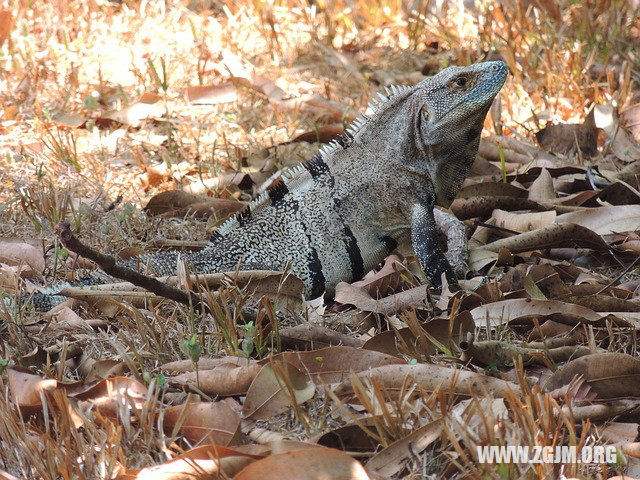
457, 244
424, 239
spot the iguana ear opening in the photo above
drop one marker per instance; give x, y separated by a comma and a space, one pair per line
426, 113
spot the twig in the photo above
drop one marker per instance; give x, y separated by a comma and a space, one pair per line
612, 282
109, 266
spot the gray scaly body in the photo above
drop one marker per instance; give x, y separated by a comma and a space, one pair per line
360, 197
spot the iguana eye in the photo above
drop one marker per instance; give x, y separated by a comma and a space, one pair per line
461, 81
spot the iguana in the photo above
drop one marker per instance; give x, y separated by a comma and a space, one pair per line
368, 192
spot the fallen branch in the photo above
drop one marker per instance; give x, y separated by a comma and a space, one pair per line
109, 266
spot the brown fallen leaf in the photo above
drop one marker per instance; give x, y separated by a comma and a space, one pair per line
15, 252
214, 461
631, 449
541, 190
317, 106
387, 281
309, 464
65, 320
148, 106
25, 388
503, 312
605, 220
465, 208
215, 423
68, 120
212, 94
440, 329
224, 380
206, 364
490, 150
492, 189
618, 432
323, 134
504, 354
610, 375
276, 387
177, 203
630, 119
351, 437
110, 394
600, 411
604, 303
621, 142
391, 460
431, 378
556, 235
349, 294
523, 222
569, 139
91, 370
334, 364
307, 336
10, 278
6, 24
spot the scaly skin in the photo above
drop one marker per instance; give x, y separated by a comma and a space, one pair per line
372, 190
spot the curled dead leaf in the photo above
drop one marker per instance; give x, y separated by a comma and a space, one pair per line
214, 461
610, 375
309, 464
431, 378
224, 380
215, 423
277, 386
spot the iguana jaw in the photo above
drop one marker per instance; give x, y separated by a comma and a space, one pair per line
448, 132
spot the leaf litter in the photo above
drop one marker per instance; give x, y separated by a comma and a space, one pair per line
539, 346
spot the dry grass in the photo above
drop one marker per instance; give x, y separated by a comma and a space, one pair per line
82, 58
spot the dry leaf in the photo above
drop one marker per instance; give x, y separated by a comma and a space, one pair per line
206, 364
465, 208
610, 375
571, 139
492, 189
541, 190
212, 94
622, 143
214, 461
269, 394
523, 222
309, 464
431, 378
322, 134
388, 342
203, 422
110, 394
605, 220
13, 252
26, 387
177, 203
334, 364
224, 380
149, 106
392, 459
349, 294
563, 235
6, 24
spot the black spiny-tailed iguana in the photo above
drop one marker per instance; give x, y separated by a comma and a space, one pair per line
373, 189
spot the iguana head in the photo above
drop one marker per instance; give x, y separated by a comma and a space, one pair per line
448, 113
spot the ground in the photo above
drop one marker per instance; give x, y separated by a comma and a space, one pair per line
105, 105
